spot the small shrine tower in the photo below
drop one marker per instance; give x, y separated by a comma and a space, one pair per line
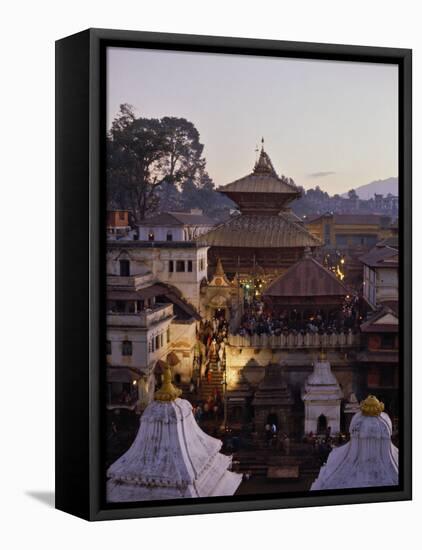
322, 397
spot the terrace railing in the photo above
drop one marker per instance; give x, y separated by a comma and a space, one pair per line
294, 340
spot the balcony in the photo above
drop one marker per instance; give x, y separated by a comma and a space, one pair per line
295, 341
132, 281
146, 318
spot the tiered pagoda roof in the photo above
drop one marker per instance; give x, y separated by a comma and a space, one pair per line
255, 230
265, 219
263, 190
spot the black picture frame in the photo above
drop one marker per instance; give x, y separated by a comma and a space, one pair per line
80, 245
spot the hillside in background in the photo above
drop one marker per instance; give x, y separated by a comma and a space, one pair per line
383, 187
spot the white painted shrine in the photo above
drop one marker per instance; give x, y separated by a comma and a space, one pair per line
322, 398
369, 459
171, 456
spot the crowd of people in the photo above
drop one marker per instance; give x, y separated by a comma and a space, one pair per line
213, 338
259, 319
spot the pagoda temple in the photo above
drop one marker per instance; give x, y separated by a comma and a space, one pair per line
369, 459
266, 237
171, 456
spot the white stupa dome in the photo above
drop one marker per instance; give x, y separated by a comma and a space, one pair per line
369, 459
171, 456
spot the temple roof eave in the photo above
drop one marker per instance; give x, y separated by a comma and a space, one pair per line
263, 231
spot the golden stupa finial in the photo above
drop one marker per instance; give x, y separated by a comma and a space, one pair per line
371, 406
167, 392
322, 355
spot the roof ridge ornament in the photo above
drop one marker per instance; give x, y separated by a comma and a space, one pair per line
264, 165
167, 392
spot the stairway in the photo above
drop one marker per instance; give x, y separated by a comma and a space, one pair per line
207, 389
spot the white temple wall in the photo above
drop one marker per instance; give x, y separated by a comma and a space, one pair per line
183, 340
331, 411
157, 260
142, 357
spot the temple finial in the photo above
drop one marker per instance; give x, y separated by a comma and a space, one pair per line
371, 406
167, 392
264, 165
219, 270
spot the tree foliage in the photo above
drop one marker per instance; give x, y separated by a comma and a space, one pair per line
144, 154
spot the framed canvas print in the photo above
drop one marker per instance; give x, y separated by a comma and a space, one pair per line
233, 274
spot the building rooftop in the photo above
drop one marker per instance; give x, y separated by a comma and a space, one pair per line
177, 219
154, 244
381, 257
384, 320
352, 219
254, 230
307, 277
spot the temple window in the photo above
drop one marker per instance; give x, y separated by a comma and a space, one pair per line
124, 268
180, 266
171, 266
151, 235
169, 236
126, 347
190, 266
108, 347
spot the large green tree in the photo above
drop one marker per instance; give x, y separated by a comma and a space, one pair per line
144, 154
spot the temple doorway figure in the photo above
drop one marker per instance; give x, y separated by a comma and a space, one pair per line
272, 420
220, 313
322, 425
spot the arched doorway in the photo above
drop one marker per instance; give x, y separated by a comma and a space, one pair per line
322, 424
272, 419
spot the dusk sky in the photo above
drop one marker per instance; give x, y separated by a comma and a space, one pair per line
324, 123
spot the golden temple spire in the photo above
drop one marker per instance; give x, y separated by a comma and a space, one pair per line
167, 392
263, 165
371, 406
322, 355
219, 270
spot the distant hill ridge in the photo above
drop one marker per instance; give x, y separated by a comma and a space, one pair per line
380, 187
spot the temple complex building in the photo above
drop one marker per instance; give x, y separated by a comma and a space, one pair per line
182, 264
306, 289
380, 275
378, 358
149, 324
175, 226
266, 237
222, 298
117, 224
